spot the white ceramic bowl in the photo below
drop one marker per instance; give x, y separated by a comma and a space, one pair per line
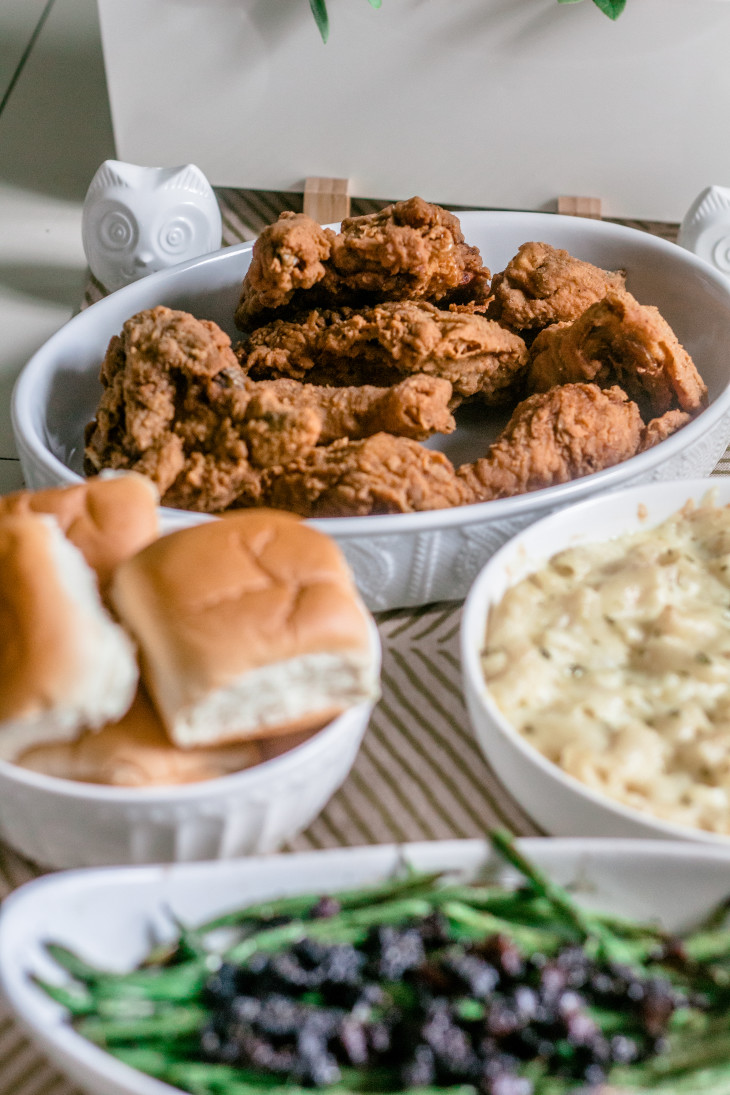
61, 823
559, 803
412, 558
112, 916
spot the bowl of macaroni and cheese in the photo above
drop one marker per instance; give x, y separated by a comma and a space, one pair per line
596, 664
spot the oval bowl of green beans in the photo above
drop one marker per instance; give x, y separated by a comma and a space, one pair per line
495, 967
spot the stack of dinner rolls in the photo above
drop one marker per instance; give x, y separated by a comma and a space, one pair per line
131, 658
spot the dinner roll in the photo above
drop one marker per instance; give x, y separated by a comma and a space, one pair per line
136, 752
248, 626
64, 664
108, 518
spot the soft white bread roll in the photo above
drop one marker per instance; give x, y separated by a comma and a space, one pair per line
248, 626
107, 518
64, 664
136, 752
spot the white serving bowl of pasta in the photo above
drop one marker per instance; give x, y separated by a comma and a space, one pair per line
405, 558
558, 801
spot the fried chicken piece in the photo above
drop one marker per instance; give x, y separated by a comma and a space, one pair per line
290, 348
212, 482
162, 462
555, 437
159, 351
283, 418
382, 474
411, 250
178, 408
659, 429
619, 341
544, 284
287, 257
376, 345
153, 416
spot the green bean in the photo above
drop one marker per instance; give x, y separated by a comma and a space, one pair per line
299, 906
157, 983
171, 1023
687, 1054
76, 999
706, 1081
161, 1064
154, 1062
170, 983
598, 938
221, 1077
190, 940
232, 1080
483, 924
347, 927
76, 966
708, 946
611, 1021
556, 1085
556, 895
717, 917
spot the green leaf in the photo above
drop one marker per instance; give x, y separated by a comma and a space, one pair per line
611, 8
375, 3
319, 11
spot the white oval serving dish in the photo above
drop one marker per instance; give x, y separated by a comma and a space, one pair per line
112, 916
412, 558
559, 803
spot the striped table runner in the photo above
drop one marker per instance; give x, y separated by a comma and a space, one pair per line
419, 774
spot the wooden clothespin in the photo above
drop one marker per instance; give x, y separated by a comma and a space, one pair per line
327, 200
580, 207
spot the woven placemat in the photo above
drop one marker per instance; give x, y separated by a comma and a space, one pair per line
419, 775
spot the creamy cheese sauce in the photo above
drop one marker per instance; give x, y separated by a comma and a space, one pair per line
614, 661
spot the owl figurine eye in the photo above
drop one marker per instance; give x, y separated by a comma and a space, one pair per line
117, 230
140, 219
176, 235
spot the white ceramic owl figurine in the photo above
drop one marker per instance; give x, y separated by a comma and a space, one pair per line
139, 219
706, 227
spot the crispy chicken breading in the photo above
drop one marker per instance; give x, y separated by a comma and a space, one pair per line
288, 257
376, 345
177, 407
551, 438
152, 375
410, 250
544, 284
215, 479
619, 341
382, 474
280, 419
659, 429
417, 407
556, 436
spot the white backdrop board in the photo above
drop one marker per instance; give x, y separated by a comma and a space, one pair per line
497, 103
